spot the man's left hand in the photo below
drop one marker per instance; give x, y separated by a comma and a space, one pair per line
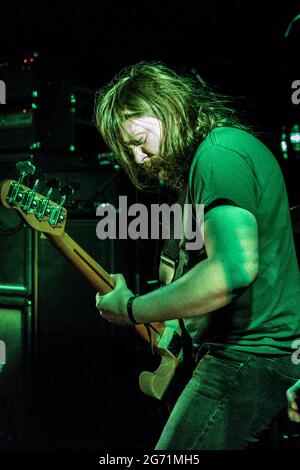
113, 306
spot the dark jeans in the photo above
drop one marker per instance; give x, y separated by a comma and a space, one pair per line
232, 398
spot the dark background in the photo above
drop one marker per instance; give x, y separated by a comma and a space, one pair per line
79, 386
238, 47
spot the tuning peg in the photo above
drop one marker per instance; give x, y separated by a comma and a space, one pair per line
25, 167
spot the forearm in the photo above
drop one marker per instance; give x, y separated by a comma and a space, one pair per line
206, 287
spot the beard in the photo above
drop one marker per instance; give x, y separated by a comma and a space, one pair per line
154, 168
170, 171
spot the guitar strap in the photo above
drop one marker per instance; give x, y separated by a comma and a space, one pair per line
174, 342
169, 257
169, 264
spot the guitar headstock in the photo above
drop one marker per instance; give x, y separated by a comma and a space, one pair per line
38, 211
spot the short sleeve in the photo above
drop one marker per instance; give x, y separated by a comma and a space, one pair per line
220, 175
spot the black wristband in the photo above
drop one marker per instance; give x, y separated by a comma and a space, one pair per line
129, 309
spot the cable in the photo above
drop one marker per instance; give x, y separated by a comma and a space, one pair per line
288, 30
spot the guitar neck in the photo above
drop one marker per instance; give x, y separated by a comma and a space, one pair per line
99, 279
83, 262
47, 217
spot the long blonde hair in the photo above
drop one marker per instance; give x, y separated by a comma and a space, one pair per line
187, 109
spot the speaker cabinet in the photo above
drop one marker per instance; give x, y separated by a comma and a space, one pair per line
15, 318
85, 364
66, 301
15, 255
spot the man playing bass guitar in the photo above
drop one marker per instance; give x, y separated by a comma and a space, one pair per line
238, 298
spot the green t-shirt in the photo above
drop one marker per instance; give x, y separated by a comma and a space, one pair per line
232, 166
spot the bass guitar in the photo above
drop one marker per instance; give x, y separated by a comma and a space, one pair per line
48, 217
